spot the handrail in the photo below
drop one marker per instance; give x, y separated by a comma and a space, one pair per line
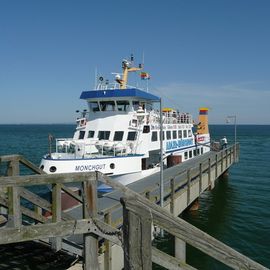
136, 208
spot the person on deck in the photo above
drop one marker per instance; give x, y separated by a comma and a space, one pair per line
224, 142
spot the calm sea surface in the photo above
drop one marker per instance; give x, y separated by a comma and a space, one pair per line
237, 211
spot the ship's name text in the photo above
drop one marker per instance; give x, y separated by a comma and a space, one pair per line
178, 144
83, 168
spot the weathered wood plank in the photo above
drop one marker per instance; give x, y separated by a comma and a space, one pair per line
33, 214
137, 238
169, 262
35, 199
72, 193
194, 236
7, 158
90, 240
14, 210
108, 246
56, 214
60, 229
30, 165
46, 179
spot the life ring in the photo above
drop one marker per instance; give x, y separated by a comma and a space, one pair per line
83, 122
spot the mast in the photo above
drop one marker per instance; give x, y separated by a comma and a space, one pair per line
126, 66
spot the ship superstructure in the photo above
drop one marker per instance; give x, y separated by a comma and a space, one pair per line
120, 134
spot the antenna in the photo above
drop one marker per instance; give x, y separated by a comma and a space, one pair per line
95, 77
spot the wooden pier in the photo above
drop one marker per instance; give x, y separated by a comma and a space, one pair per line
114, 231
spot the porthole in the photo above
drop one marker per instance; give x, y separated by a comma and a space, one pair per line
112, 165
52, 169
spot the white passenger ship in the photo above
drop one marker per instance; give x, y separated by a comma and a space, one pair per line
120, 134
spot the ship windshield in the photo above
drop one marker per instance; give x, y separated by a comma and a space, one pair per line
107, 105
122, 105
94, 106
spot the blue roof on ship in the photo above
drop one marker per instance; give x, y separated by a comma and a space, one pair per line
131, 92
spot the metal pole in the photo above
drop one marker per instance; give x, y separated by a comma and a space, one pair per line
161, 161
235, 130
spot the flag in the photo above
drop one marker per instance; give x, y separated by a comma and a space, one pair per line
145, 76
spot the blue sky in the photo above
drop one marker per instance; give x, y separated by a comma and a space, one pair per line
214, 54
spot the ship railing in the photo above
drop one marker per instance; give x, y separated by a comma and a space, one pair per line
111, 86
171, 117
110, 148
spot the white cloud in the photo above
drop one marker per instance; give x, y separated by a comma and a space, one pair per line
248, 100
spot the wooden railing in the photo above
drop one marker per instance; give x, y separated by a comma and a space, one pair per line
45, 219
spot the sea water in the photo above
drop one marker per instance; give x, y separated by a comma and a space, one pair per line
236, 211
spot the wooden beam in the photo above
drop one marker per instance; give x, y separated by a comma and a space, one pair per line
46, 179
137, 229
90, 240
35, 199
194, 236
169, 262
108, 246
59, 229
56, 214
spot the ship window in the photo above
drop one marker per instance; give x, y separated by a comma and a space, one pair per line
198, 151
52, 169
103, 135
179, 134
91, 134
189, 133
154, 136
201, 150
186, 155
131, 136
81, 134
107, 105
118, 136
94, 106
146, 129
174, 134
122, 105
184, 133
135, 105
194, 152
190, 154
168, 134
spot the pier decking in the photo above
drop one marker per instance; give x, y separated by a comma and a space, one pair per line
115, 230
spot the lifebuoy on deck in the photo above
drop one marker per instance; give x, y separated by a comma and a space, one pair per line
83, 122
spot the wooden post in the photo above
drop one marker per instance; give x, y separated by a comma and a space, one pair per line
172, 185
226, 151
14, 205
200, 179
137, 230
108, 245
90, 239
180, 249
209, 172
230, 155
56, 214
221, 161
216, 167
188, 186
147, 195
